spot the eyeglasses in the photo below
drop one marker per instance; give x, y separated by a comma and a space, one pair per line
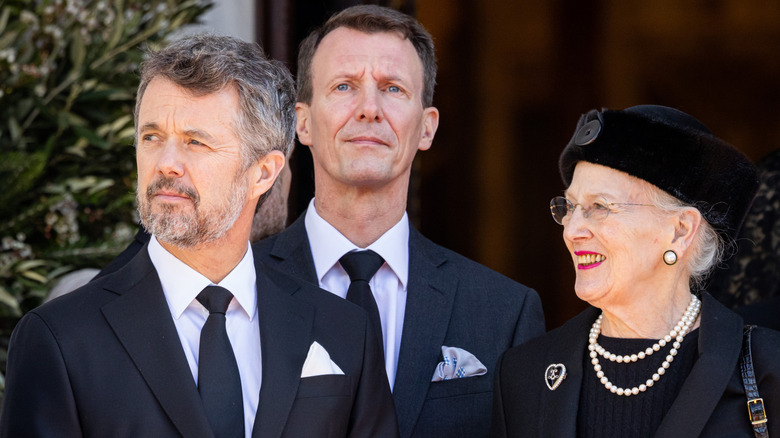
562, 209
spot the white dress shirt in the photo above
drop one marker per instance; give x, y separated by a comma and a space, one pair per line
388, 285
181, 284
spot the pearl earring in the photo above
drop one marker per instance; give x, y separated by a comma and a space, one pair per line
670, 257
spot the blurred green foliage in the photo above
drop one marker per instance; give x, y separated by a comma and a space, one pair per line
68, 76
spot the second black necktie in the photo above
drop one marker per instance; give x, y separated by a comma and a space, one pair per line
361, 267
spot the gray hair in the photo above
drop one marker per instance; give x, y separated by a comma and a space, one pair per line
204, 64
708, 245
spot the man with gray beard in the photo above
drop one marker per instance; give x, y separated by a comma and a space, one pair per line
270, 218
194, 336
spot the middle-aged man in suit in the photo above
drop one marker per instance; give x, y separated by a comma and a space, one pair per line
194, 336
366, 80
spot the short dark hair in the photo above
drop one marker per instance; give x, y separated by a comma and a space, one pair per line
204, 64
370, 19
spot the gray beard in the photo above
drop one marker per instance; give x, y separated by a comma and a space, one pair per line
186, 230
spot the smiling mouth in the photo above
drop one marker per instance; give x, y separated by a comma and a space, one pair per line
589, 260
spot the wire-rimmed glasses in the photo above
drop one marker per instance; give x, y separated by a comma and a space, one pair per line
562, 209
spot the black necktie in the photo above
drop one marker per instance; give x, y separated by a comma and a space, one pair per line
219, 383
361, 266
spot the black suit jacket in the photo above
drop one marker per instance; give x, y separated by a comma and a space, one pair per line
711, 402
106, 360
451, 301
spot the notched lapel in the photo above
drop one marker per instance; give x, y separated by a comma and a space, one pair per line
142, 322
285, 337
292, 252
559, 406
430, 298
719, 350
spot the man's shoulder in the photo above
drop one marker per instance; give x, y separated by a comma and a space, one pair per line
264, 246
88, 300
287, 243
75, 309
468, 272
478, 292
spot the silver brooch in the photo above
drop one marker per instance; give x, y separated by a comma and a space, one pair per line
554, 375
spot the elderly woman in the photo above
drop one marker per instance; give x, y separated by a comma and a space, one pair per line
652, 198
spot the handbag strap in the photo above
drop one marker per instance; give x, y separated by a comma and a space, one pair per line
755, 403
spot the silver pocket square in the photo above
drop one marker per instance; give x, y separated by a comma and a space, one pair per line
457, 363
319, 363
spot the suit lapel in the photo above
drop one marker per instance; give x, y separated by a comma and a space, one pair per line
720, 343
429, 302
293, 252
559, 407
142, 321
285, 337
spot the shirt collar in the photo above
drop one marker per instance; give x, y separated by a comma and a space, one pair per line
328, 245
181, 284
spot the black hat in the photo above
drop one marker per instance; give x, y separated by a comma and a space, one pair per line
673, 151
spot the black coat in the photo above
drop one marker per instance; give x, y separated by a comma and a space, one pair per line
711, 403
106, 361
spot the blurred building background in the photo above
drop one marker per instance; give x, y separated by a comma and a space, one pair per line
514, 78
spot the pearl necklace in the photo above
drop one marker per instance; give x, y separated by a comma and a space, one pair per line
677, 334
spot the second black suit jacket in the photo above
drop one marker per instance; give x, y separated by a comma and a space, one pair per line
451, 301
106, 361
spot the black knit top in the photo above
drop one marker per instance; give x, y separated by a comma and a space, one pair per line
603, 414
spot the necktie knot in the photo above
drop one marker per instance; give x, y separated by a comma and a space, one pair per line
361, 265
215, 299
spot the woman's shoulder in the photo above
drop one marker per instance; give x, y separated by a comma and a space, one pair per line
561, 339
765, 346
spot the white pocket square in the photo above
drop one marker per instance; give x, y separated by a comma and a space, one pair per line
457, 363
319, 363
